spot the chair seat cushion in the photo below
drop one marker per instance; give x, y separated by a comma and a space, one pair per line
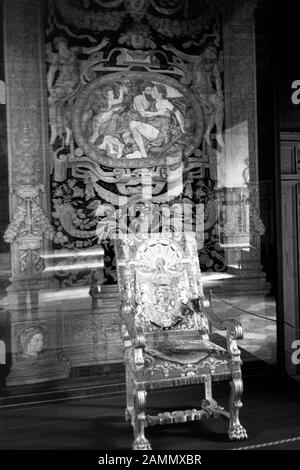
180, 362
186, 351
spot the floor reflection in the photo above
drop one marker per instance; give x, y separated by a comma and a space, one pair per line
259, 334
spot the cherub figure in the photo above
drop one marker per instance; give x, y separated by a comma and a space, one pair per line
105, 121
113, 146
207, 86
63, 78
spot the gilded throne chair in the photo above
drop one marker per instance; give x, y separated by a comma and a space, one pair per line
166, 324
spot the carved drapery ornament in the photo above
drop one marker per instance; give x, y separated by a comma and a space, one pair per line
29, 228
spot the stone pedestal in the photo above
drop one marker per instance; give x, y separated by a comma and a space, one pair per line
35, 349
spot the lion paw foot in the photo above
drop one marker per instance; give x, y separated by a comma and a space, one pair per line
141, 444
127, 416
237, 433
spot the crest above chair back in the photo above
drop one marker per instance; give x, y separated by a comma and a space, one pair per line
159, 275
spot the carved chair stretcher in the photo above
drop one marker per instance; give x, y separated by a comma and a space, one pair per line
165, 324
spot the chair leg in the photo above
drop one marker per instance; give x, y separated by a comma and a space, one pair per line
138, 422
236, 431
129, 397
208, 389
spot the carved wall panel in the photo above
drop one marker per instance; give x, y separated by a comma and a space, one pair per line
36, 351
92, 338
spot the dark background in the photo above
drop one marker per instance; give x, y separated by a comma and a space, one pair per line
285, 20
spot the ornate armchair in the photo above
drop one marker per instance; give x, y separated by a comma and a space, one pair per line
166, 325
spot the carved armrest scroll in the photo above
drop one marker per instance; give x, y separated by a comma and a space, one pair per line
134, 335
233, 327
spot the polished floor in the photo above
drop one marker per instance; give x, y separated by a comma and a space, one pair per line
271, 414
259, 333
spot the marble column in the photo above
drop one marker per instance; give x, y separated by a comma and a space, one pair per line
240, 159
29, 232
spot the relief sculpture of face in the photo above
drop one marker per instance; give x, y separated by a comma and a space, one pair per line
137, 5
31, 342
137, 41
36, 344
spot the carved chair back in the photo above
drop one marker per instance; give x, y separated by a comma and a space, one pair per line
160, 277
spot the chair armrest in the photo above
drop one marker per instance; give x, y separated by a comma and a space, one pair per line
135, 333
133, 336
234, 327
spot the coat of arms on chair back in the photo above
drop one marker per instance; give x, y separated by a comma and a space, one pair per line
159, 274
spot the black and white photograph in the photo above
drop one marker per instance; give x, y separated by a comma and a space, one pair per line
149, 230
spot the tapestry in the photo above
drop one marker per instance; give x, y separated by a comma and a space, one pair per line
136, 106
